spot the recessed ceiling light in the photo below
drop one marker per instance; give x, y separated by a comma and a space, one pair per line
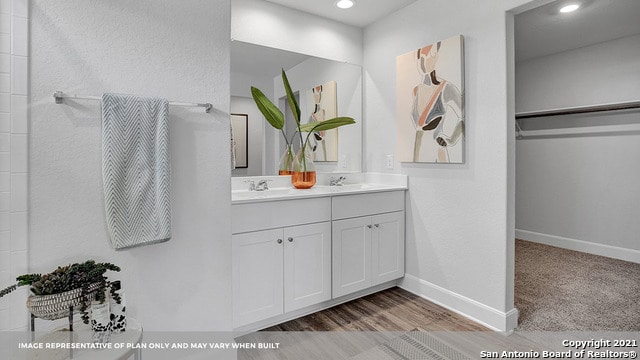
345, 4
569, 8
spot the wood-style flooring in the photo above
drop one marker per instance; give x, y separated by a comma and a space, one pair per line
391, 324
389, 310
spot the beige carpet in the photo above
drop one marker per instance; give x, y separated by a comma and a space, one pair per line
564, 290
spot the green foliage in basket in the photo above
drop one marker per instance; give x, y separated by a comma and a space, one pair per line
71, 277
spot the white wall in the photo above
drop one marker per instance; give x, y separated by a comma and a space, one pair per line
598, 74
14, 79
255, 130
588, 198
264, 23
241, 84
176, 49
459, 217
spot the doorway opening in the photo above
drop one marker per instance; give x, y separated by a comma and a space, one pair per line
577, 152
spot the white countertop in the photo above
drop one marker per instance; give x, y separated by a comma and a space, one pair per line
280, 187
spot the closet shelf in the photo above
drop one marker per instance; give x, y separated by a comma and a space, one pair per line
580, 110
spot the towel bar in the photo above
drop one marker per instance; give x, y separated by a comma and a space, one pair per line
60, 96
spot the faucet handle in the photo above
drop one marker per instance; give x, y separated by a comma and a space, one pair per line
252, 185
337, 181
263, 185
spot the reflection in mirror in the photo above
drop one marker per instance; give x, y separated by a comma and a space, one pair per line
239, 145
324, 89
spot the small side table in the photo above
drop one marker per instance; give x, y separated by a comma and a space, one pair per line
33, 320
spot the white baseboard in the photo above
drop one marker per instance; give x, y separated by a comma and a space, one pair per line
580, 245
474, 310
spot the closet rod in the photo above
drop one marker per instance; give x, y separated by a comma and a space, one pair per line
580, 110
588, 130
59, 96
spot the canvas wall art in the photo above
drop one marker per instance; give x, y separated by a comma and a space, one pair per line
430, 103
323, 103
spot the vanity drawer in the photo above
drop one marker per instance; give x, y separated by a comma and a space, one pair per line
274, 214
349, 206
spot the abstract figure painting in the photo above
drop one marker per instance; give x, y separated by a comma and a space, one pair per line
323, 103
430, 103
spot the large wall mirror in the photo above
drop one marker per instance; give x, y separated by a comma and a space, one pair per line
324, 88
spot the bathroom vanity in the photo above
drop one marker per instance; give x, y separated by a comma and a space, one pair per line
298, 251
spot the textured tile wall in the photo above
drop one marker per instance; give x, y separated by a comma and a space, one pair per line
14, 88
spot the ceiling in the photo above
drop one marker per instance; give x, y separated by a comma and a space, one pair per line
362, 14
272, 60
544, 30
538, 32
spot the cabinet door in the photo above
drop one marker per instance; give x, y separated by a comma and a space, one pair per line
307, 265
351, 255
257, 276
387, 247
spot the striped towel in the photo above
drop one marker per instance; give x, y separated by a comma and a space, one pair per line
136, 169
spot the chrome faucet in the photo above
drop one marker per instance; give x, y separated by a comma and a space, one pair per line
337, 181
262, 185
252, 185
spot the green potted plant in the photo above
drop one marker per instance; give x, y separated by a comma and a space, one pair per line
71, 285
301, 166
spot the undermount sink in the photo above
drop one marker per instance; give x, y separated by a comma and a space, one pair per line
246, 194
349, 187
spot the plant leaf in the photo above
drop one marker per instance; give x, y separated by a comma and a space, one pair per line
271, 112
327, 124
293, 104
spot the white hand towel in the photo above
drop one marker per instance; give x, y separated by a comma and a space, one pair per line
136, 169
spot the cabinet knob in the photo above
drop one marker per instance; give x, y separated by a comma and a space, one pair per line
377, 225
290, 239
369, 226
279, 241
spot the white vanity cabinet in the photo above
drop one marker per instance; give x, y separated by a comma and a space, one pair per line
313, 249
282, 269
367, 240
257, 276
307, 265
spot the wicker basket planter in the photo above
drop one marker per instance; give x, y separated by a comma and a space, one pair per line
56, 306
84, 281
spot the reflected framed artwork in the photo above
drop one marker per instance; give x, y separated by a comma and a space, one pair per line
323, 102
239, 126
430, 103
